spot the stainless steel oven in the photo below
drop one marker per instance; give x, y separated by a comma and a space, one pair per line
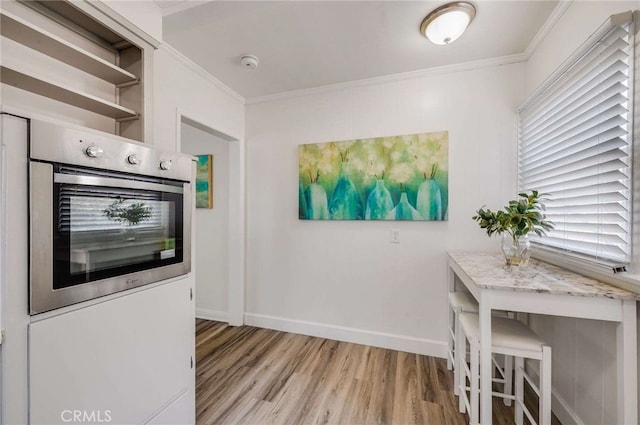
106, 215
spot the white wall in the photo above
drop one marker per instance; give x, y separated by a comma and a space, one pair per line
182, 90
345, 280
179, 87
212, 227
584, 351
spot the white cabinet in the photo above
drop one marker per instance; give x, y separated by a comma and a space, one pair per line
14, 288
180, 412
127, 358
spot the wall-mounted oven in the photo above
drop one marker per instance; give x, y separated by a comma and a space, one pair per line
106, 215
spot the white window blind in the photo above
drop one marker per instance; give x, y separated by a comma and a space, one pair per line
575, 146
87, 214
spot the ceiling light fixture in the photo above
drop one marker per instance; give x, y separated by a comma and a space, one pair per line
448, 22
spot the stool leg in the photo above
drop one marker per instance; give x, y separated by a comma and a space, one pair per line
460, 373
463, 352
474, 400
545, 387
493, 369
508, 378
519, 390
450, 342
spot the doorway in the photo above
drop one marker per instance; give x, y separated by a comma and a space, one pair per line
219, 231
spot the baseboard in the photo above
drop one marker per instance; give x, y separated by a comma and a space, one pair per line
358, 336
559, 406
207, 314
561, 409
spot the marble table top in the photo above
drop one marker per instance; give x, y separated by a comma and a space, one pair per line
488, 271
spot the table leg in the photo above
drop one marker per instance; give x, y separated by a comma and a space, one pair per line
627, 365
451, 320
485, 358
451, 278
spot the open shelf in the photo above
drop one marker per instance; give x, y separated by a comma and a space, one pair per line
38, 39
64, 94
66, 51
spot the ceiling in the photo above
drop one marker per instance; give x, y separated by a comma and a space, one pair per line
306, 44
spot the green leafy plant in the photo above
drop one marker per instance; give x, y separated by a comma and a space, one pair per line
520, 217
131, 215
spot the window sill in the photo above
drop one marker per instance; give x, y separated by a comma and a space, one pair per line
624, 280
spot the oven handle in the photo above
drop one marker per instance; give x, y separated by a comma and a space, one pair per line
111, 182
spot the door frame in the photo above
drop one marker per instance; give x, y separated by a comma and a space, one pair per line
236, 243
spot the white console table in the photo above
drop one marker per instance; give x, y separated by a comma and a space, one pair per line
542, 288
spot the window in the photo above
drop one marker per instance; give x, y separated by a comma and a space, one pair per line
575, 141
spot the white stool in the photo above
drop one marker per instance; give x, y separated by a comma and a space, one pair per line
510, 338
464, 302
458, 302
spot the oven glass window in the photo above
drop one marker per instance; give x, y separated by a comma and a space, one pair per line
102, 232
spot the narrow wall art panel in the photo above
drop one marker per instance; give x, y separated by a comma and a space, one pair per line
204, 182
384, 178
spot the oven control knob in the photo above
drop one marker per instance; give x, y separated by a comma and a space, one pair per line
133, 159
94, 151
165, 165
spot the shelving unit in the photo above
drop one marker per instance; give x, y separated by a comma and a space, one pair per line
38, 39
105, 69
67, 95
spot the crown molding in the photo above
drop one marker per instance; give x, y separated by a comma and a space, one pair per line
201, 72
116, 20
179, 6
545, 29
446, 69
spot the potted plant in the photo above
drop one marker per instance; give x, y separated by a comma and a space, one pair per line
131, 215
519, 218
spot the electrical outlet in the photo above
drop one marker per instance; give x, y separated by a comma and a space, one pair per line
395, 235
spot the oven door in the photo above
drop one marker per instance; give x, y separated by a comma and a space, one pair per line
94, 233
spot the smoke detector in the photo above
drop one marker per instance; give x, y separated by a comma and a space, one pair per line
249, 61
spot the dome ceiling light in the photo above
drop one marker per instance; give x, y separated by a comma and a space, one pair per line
447, 23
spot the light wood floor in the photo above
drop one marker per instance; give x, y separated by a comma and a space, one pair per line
253, 376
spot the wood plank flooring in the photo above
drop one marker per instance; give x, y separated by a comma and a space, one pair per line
253, 376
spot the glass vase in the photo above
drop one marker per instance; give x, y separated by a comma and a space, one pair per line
516, 250
345, 202
379, 202
404, 210
302, 203
128, 234
429, 200
316, 202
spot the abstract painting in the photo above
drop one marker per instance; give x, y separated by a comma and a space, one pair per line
204, 182
383, 178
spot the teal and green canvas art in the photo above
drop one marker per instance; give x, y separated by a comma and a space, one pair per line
384, 178
204, 182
